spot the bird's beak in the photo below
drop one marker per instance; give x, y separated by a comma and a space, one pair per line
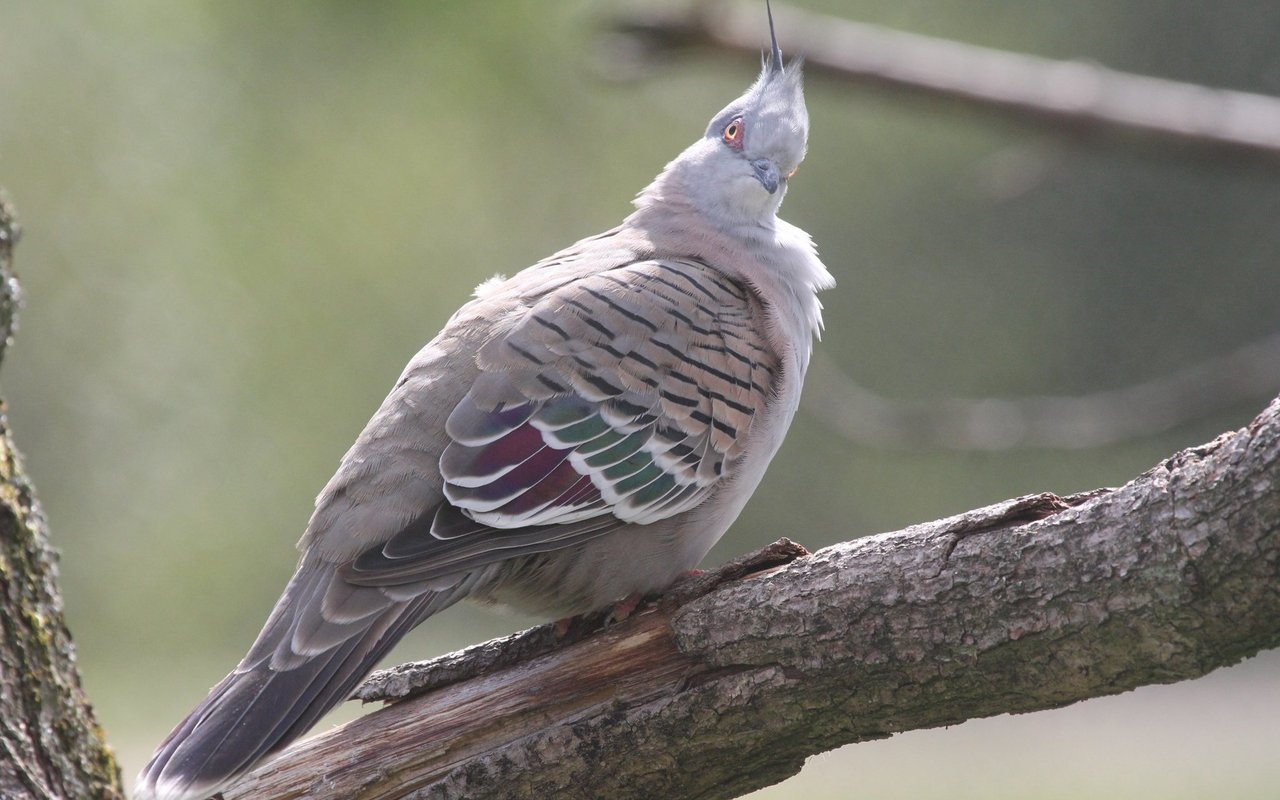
767, 173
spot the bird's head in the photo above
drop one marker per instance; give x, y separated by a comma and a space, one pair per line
739, 170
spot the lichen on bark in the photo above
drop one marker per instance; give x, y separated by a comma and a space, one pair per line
51, 745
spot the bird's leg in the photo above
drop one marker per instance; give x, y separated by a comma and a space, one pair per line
623, 608
695, 583
617, 613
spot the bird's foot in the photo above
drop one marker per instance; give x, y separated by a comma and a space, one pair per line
691, 584
623, 609
618, 612
697, 582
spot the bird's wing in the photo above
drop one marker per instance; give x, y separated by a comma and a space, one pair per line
623, 397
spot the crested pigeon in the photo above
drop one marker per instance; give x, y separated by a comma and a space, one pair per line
579, 433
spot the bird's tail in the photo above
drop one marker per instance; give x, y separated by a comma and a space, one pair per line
323, 637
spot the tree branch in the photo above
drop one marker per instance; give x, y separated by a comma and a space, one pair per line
1029, 604
1080, 96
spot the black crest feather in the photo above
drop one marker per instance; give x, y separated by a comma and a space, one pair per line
775, 53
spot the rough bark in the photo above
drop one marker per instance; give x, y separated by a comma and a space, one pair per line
729, 685
50, 743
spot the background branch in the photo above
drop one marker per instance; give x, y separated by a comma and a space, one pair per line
1080, 96
1030, 604
999, 423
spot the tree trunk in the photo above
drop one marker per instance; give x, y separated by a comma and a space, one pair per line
50, 742
1030, 604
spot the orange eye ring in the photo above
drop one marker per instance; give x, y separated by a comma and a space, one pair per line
733, 133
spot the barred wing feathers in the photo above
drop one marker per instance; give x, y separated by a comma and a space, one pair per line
623, 397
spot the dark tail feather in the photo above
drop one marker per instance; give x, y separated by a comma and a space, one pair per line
257, 710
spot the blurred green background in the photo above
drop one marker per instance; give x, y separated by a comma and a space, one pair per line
241, 219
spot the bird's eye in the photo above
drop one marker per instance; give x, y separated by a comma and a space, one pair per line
733, 134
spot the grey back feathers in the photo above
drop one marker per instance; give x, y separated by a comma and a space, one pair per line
581, 432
